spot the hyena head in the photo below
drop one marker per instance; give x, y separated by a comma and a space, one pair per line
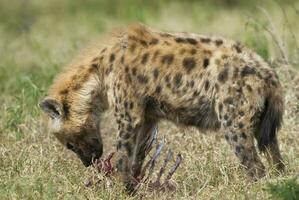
73, 108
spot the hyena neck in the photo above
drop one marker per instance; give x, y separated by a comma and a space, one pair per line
93, 95
108, 63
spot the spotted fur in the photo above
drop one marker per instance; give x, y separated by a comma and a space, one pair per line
144, 75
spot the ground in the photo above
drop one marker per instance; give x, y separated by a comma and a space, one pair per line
39, 37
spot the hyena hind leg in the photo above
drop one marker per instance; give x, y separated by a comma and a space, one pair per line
240, 136
274, 157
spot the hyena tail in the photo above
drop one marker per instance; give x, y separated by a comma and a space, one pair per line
271, 119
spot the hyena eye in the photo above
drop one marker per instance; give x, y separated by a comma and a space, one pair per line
70, 146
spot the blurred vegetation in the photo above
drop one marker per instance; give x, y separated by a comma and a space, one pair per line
284, 190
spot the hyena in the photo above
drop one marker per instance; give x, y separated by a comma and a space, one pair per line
145, 75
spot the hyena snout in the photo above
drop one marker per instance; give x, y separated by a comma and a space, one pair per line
87, 151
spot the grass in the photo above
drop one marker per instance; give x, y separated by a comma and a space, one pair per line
39, 37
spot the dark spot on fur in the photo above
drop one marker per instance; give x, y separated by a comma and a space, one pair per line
132, 48
126, 104
235, 138
76, 87
274, 83
238, 149
64, 92
167, 59
225, 117
205, 40
243, 135
103, 50
167, 78
109, 70
144, 58
219, 42
191, 41
118, 146
223, 75
220, 108
96, 59
126, 69
122, 59
241, 125
238, 47
236, 72
187, 40
241, 113
216, 87
191, 84
249, 88
189, 64
131, 105
244, 160
158, 89
134, 71
177, 79
226, 137
229, 123
142, 79
207, 85
66, 109
195, 93
179, 40
193, 51
128, 148
156, 54
228, 101
154, 41
93, 67
112, 57
206, 62
129, 128
156, 73
247, 71
143, 42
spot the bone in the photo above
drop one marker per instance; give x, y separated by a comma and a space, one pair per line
174, 168
152, 139
104, 166
163, 167
152, 162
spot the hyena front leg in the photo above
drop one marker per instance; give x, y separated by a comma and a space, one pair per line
237, 125
133, 134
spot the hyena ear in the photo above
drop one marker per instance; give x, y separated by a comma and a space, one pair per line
52, 107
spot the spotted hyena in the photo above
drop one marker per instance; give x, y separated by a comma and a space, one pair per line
145, 75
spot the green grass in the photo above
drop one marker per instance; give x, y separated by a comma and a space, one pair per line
285, 190
39, 37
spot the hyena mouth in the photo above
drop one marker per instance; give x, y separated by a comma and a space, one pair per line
87, 160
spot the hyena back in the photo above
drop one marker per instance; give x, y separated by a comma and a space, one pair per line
144, 75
